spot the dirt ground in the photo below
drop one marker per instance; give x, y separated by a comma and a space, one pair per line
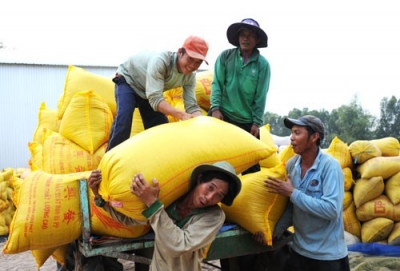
24, 261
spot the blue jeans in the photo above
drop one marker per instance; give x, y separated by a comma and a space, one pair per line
127, 100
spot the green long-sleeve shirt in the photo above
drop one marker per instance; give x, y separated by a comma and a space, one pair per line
152, 73
240, 90
180, 244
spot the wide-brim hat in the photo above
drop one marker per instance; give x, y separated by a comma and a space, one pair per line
225, 168
233, 32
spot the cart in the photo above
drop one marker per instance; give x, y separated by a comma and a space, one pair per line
231, 241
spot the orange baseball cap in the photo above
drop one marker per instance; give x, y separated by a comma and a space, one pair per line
196, 47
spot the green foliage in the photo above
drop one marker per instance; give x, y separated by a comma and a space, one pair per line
348, 122
389, 124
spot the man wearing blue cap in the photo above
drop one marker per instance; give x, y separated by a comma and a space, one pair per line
314, 186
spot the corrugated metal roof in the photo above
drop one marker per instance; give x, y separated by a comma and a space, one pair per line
13, 56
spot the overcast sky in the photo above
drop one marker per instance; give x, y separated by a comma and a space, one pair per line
322, 53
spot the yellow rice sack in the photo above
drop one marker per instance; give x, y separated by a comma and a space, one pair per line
389, 146
348, 178
42, 255
394, 236
169, 153
392, 188
286, 154
62, 156
48, 212
60, 254
375, 230
347, 199
340, 151
35, 149
102, 223
179, 104
3, 226
379, 207
379, 166
87, 121
203, 88
78, 80
266, 137
367, 189
256, 209
363, 150
350, 222
137, 123
7, 207
47, 119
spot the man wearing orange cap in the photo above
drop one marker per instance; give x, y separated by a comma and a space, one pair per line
142, 79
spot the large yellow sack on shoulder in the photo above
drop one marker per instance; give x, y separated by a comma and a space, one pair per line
348, 178
363, 150
266, 137
203, 88
392, 188
169, 153
379, 207
340, 151
62, 156
47, 119
48, 212
379, 166
375, 230
389, 146
367, 189
256, 209
394, 236
78, 80
87, 121
179, 104
350, 222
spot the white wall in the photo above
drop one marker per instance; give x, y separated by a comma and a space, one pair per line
23, 87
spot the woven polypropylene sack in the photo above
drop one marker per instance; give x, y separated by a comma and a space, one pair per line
78, 80
169, 153
265, 207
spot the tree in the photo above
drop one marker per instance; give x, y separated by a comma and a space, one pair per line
350, 123
389, 123
275, 124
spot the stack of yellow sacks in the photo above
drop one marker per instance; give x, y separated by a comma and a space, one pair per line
69, 142
7, 207
372, 196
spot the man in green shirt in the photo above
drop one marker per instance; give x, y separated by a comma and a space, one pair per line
239, 91
241, 79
